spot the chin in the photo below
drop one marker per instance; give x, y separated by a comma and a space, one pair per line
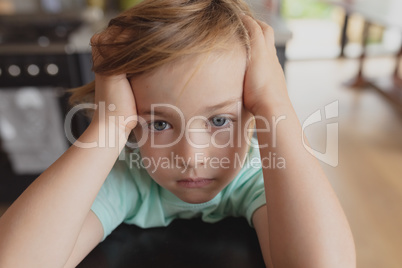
193, 198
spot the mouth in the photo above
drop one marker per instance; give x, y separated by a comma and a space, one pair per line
195, 182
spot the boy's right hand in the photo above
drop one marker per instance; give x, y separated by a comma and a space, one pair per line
115, 94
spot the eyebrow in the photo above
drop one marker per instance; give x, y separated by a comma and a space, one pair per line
163, 113
157, 113
222, 105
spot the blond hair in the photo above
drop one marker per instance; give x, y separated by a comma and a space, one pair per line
157, 32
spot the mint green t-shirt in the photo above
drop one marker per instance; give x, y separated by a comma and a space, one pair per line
131, 196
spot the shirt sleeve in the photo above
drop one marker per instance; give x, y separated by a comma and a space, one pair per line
116, 198
247, 192
249, 195
255, 198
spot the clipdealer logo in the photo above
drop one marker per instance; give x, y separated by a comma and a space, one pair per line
331, 154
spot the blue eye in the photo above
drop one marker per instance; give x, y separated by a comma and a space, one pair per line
220, 121
159, 125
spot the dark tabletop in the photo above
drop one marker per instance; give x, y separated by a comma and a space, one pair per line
184, 243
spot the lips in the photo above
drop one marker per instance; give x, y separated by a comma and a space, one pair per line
195, 182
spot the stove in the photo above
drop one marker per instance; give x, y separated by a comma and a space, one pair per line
41, 55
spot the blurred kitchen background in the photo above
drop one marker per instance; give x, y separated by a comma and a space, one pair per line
334, 52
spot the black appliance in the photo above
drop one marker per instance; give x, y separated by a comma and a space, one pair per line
38, 62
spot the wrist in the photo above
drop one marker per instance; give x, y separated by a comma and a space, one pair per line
108, 134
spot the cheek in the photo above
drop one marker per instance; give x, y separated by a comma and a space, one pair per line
223, 138
148, 150
141, 134
157, 162
230, 160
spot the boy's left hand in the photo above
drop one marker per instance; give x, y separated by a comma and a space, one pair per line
264, 82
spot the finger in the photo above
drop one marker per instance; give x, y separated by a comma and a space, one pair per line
268, 32
256, 34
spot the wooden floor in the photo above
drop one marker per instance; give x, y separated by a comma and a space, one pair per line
368, 179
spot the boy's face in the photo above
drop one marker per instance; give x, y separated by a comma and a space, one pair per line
195, 137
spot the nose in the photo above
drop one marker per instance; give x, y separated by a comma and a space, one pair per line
192, 150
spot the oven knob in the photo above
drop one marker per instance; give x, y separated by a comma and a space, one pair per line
43, 41
33, 70
52, 69
14, 70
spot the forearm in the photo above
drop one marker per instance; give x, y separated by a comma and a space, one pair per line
41, 227
307, 226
